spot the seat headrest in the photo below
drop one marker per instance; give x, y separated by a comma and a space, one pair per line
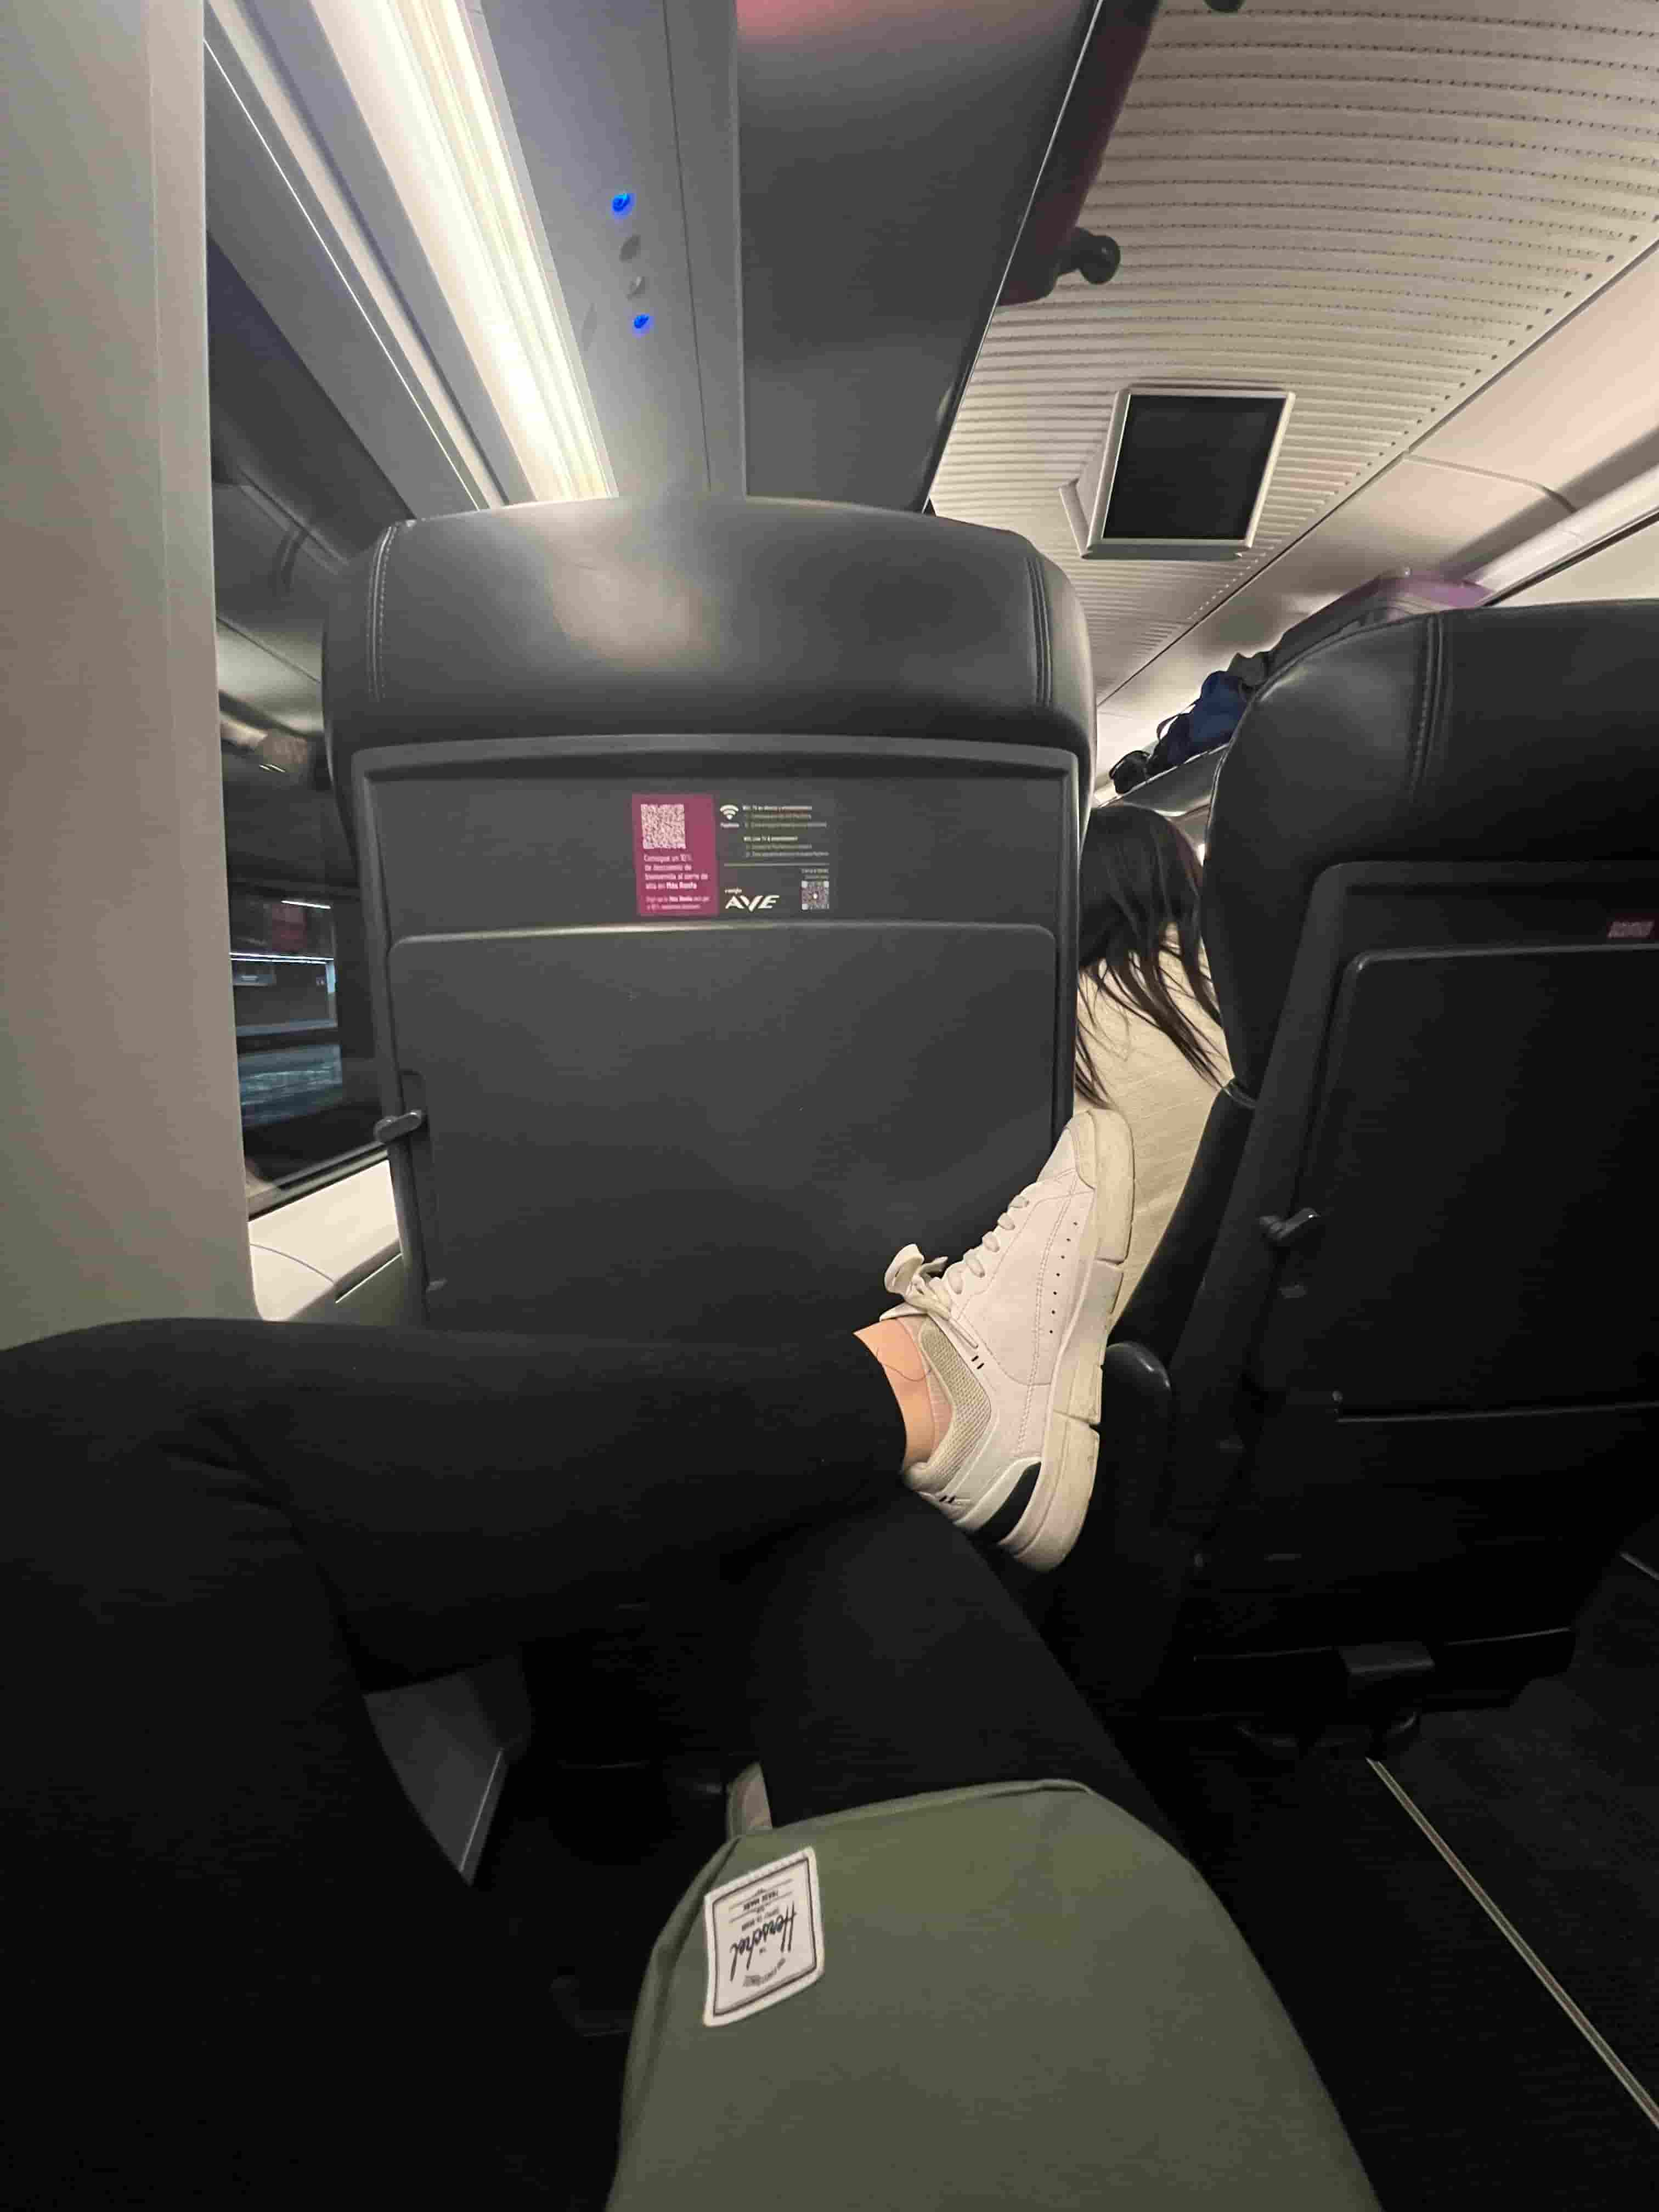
1525, 733
771, 616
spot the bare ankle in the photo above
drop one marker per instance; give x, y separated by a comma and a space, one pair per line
900, 1357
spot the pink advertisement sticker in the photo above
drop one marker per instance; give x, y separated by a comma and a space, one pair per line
675, 874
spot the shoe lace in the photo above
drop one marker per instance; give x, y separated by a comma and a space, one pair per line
934, 1285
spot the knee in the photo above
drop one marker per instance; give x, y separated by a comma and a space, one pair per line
106, 1452
118, 1374
108, 1347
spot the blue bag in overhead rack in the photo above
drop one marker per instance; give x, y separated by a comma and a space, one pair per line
1208, 722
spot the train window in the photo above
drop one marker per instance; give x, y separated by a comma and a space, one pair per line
294, 497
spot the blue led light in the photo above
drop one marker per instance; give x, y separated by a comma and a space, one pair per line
621, 202
641, 322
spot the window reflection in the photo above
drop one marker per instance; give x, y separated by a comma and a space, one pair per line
304, 1047
294, 497
287, 1038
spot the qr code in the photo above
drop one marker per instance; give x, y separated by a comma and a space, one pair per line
814, 896
663, 828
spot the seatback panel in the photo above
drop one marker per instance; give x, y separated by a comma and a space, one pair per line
715, 1128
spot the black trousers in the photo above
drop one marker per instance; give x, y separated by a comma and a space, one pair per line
237, 1966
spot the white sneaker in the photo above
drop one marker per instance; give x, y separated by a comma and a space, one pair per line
1012, 1336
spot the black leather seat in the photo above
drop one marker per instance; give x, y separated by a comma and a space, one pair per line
1388, 1395
720, 866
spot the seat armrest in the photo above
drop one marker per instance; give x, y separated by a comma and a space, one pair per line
1136, 1416
1134, 1385
1113, 1647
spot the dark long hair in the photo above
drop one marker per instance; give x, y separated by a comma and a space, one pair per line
1141, 880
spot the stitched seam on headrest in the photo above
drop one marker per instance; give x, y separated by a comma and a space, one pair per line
1427, 700
368, 609
369, 618
1434, 748
377, 610
1047, 635
1040, 625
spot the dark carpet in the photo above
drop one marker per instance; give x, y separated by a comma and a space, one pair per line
1460, 2080
1553, 1806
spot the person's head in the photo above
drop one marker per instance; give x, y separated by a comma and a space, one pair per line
1139, 887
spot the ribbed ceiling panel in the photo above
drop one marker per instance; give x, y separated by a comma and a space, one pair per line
1378, 207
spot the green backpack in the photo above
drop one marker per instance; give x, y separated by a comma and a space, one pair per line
1014, 1996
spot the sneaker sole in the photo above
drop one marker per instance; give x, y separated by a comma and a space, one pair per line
1053, 1519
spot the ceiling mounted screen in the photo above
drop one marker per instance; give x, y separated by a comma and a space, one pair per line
1182, 474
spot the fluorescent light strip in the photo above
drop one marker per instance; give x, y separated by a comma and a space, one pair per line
1632, 503
248, 53
416, 74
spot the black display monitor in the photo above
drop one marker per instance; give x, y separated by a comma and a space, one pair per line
1182, 474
